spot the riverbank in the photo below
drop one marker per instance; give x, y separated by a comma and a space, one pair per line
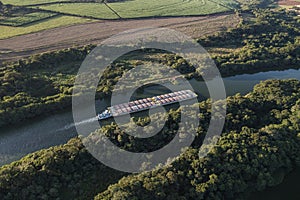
58, 128
257, 142
43, 84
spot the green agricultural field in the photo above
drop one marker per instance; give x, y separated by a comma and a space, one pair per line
7, 31
29, 2
26, 19
95, 10
144, 8
79, 12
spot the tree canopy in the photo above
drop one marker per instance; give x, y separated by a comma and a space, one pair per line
259, 144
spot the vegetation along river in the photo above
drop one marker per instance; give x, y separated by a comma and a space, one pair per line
15, 142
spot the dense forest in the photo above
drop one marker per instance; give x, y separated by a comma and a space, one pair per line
260, 143
265, 39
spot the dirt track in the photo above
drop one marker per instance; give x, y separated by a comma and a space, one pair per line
288, 3
93, 33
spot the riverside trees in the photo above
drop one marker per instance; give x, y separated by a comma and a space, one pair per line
253, 153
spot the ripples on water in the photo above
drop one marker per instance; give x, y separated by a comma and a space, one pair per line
73, 125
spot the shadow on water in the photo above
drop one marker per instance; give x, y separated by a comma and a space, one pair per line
288, 189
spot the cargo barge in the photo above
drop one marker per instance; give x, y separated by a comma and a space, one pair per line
146, 104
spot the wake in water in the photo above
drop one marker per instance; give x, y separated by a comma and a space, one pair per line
72, 125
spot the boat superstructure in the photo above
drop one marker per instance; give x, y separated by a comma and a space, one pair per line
146, 104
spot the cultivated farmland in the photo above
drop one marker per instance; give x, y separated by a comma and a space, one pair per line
27, 16
143, 8
64, 37
26, 19
29, 2
9, 31
94, 10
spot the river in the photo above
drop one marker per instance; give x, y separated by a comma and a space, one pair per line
27, 137
288, 189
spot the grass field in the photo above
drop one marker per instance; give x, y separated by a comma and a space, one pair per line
29, 2
94, 33
96, 10
26, 19
145, 8
142, 8
71, 13
7, 31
